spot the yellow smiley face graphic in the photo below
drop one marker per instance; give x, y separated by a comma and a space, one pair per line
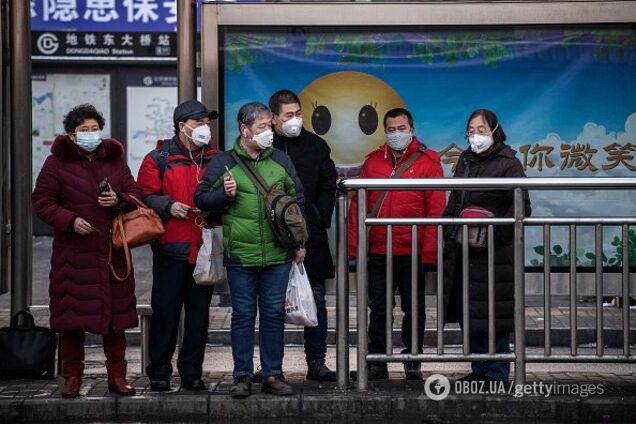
346, 109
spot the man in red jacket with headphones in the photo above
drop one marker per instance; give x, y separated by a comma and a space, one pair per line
402, 156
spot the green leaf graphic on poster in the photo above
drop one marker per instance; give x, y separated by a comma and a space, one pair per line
588, 259
241, 50
450, 48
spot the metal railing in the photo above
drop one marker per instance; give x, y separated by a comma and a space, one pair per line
519, 355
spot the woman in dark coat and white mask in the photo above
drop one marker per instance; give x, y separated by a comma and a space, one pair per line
82, 186
487, 157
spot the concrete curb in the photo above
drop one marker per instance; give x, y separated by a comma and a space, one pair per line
349, 407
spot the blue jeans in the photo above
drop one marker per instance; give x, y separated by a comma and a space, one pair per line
498, 370
316, 337
264, 287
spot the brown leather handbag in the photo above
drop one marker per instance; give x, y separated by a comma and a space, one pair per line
132, 229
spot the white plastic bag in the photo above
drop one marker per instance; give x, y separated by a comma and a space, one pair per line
209, 269
300, 307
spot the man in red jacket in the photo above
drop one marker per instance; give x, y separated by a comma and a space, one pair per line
402, 154
168, 176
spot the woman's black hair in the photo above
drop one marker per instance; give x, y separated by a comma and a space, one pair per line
498, 136
79, 114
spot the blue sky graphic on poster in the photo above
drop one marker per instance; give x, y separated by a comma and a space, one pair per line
566, 99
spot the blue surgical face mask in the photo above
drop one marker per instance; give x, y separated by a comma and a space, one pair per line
88, 140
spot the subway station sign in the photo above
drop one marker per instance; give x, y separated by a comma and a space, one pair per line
107, 29
53, 44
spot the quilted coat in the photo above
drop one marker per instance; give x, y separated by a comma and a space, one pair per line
401, 203
182, 173
84, 296
499, 162
248, 239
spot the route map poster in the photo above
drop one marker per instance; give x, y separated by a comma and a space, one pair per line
53, 95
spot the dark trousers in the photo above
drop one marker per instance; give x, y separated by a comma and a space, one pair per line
377, 301
72, 346
173, 288
478, 341
498, 370
316, 337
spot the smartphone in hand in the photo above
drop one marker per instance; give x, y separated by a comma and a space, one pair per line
103, 186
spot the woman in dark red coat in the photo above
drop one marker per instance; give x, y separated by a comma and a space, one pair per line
82, 186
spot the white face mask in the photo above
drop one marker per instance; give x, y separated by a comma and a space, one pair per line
264, 139
399, 140
481, 142
201, 135
292, 127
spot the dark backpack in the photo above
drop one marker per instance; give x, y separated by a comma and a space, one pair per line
284, 213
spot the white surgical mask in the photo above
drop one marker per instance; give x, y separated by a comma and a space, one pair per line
292, 127
399, 140
200, 135
264, 139
88, 140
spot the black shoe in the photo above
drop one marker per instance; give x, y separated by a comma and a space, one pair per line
375, 372
160, 385
318, 371
413, 371
241, 388
473, 376
196, 384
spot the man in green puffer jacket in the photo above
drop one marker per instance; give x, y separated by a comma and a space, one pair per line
257, 266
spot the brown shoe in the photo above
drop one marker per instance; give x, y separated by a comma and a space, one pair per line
413, 370
376, 372
71, 387
241, 388
275, 385
120, 386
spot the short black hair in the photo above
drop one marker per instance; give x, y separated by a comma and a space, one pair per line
81, 113
498, 135
282, 97
398, 111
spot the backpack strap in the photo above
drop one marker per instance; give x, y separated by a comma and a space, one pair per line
162, 159
397, 174
252, 174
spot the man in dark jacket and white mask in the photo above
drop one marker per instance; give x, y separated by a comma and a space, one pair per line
311, 157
